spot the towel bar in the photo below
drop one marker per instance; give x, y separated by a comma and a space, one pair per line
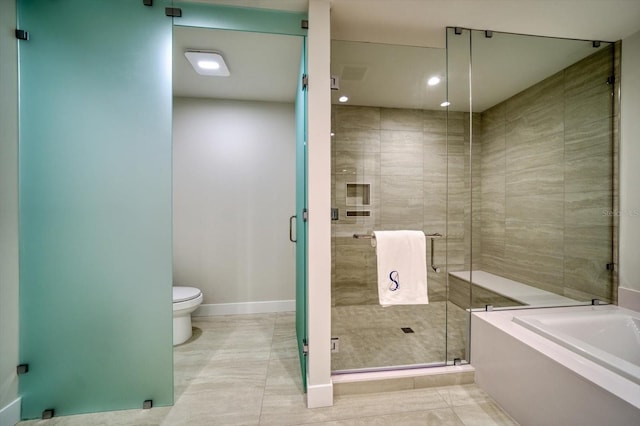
429, 236
370, 236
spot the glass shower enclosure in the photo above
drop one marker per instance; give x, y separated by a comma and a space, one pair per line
542, 121
512, 158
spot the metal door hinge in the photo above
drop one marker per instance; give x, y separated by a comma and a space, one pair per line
335, 82
611, 80
22, 35
305, 347
174, 12
305, 215
304, 24
335, 344
611, 266
305, 82
22, 369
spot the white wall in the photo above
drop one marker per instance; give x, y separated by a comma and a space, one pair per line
629, 268
319, 385
234, 191
8, 214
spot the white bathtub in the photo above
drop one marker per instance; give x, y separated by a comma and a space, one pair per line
560, 366
609, 337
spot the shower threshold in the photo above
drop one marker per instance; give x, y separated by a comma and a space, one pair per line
399, 378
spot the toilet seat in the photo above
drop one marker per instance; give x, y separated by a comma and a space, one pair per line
183, 294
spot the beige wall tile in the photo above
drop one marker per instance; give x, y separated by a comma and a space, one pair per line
402, 141
544, 208
356, 118
401, 119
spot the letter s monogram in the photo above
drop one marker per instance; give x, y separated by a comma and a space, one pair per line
394, 276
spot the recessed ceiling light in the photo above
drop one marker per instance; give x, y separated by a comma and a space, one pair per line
445, 104
433, 81
207, 63
343, 99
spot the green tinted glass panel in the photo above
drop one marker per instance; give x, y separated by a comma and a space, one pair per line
301, 225
95, 206
240, 18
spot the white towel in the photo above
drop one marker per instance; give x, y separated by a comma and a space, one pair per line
402, 267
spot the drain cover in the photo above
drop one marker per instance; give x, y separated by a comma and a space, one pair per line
406, 329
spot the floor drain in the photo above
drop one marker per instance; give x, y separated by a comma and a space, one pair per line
406, 329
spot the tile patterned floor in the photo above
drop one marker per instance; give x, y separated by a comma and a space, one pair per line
243, 370
371, 336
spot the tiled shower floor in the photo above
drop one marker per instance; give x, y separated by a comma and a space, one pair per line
371, 336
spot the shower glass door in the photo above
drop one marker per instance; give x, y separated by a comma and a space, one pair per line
389, 172
95, 206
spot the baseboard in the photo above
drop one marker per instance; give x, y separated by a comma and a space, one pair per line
245, 308
629, 298
319, 395
10, 414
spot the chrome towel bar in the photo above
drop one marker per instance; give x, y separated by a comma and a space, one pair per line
431, 237
370, 236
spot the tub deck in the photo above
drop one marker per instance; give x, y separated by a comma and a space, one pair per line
538, 381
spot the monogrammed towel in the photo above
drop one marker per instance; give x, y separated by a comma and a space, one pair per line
402, 267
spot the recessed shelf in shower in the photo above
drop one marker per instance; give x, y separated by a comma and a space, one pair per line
358, 194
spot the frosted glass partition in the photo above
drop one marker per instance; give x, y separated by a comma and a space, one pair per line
301, 225
229, 17
95, 206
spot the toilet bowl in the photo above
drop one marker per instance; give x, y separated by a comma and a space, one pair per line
185, 301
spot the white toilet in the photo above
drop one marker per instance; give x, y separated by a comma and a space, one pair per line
185, 301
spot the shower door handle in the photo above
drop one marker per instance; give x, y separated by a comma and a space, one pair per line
291, 229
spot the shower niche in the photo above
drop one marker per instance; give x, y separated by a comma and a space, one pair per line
358, 199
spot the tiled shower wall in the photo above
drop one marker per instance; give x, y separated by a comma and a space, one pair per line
547, 188
543, 187
402, 154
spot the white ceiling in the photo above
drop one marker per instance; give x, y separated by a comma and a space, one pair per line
419, 23
422, 22
373, 74
263, 67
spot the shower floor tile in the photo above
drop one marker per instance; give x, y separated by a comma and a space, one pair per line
371, 336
